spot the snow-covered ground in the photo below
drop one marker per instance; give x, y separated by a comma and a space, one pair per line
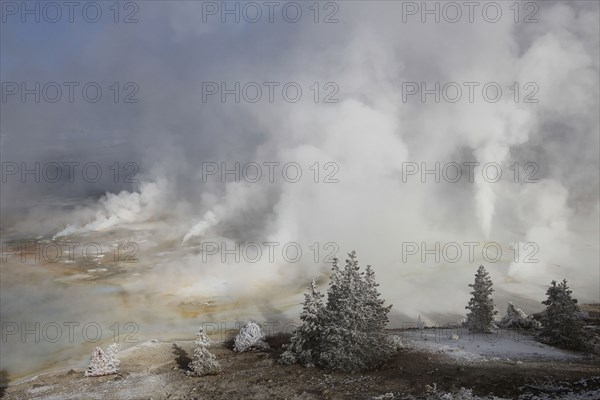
503, 345
154, 370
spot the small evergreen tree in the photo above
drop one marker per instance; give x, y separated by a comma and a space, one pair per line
104, 363
515, 318
481, 306
374, 306
204, 362
561, 323
250, 337
340, 320
374, 320
304, 347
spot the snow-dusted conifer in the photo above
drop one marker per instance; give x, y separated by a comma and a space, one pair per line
304, 347
354, 319
515, 318
348, 333
376, 312
375, 320
481, 306
104, 363
112, 353
561, 323
341, 322
203, 362
250, 337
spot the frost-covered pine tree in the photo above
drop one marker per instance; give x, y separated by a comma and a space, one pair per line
375, 320
348, 333
353, 337
515, 318
341, 319
203, 362
481, 306
561, 323
250, 337
104, 363
112, 353
374, 306
304, 347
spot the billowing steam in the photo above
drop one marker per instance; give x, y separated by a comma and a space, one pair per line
363, 142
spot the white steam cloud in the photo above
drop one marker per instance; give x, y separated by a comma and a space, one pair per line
369, 134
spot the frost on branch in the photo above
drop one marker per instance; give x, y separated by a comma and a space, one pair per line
348, 332
250, 337
515, 318
202, 339
481, 306
203, 362
305, 342
562, 324
104, 363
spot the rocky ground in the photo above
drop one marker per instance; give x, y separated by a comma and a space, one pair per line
154, 370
